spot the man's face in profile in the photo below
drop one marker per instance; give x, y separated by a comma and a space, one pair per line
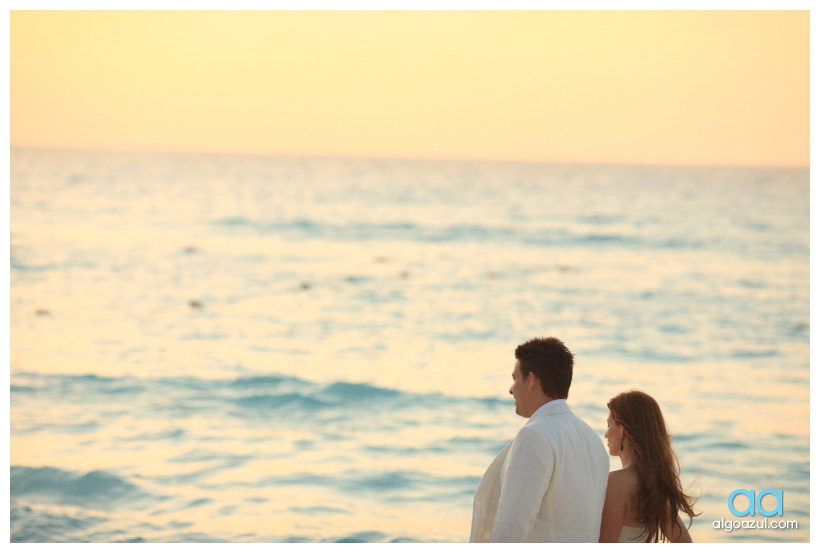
519, 390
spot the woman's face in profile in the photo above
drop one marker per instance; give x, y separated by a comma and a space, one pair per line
614, 432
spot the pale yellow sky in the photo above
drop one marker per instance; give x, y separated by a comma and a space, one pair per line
695, 87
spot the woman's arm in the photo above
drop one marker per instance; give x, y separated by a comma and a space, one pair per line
615, 504
679, 533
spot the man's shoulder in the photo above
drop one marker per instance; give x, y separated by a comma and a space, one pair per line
533, 430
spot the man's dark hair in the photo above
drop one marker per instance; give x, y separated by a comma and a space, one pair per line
551, 362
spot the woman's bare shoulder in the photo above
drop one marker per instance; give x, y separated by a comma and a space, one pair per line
623, 481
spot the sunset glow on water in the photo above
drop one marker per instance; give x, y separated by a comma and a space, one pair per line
252, 349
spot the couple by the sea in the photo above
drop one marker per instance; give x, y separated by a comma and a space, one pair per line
552, 482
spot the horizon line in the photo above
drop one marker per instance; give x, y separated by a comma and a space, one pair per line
402, 157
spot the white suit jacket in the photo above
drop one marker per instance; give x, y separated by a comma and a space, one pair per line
547, 485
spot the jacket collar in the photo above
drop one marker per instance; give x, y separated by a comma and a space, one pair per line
554, 407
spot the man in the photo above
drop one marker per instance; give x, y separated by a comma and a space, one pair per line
549, 483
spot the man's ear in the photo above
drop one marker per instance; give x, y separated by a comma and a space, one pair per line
533, 381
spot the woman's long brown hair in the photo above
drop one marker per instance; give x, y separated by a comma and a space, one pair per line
660, 495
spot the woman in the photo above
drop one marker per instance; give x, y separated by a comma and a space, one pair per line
644, 497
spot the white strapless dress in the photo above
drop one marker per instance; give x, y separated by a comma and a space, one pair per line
632, 534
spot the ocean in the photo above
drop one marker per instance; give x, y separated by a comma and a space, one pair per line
229, 348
